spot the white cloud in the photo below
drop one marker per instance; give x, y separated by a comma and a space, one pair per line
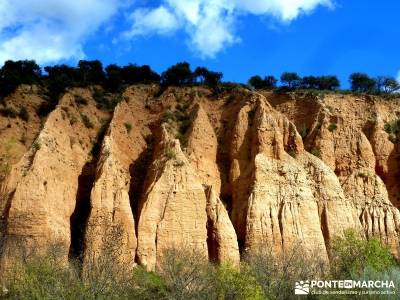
50, 30
53, 30
398, 77
147, 21
286, 10
210, 25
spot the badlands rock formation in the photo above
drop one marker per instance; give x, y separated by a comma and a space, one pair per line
42, 187
111, 224
224, 175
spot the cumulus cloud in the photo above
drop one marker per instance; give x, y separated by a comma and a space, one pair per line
146, 21
285, 10
398, 77
210, 25
53, 30
50, 30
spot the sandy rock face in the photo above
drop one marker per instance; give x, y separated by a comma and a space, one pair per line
42, 187
173, 213
201, 151
337, 212
387, 160
16, 134
222, 241
242, 179
202, 147
379, 218
284, 196
281, 207
358, 162
111, 226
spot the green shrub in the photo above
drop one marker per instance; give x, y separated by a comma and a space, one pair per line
392, 138
149, 285
9, 112
73, 119
231, 98
45, 108
170, 154
332, 127
316, 152
48, 277
24, 114
80, 100
105, 101
392, 129
292, 153
168, 116
187, 274
233, 283
351, 255
184, 125
99, 138
36, 145
179, 163
362, 175
304, 132
86, 121
43, 278
128, 127
179, 119
11, 152
276, 273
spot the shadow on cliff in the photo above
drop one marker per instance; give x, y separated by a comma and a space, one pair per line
79, 218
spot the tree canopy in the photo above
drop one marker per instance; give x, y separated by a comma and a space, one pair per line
320, 82
362, 83
14, 73
269, 82
291, 80
387, 84
113, 78
179, 74
209, 78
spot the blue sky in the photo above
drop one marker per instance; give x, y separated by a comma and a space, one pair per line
238, 37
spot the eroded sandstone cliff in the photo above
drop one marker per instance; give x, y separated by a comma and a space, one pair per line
223, 174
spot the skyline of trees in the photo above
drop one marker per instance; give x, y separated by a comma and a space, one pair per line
113, 77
